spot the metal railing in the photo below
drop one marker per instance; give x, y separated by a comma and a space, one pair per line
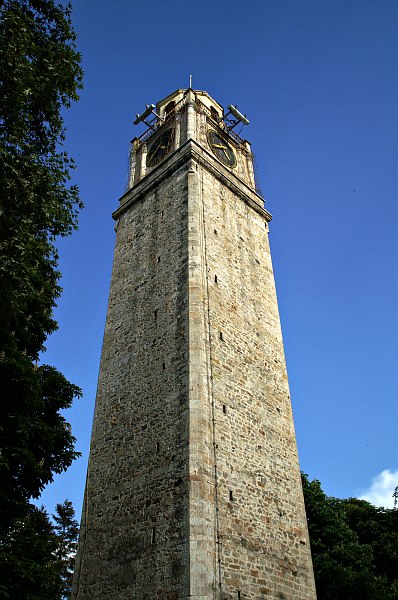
216, 123
199, 107
159, 123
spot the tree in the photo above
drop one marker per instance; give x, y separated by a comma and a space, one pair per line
28, 568
35, 438
38, 555
40, 75
67, 531
377, 527
354, 546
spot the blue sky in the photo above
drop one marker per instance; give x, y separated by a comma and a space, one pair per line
319, 82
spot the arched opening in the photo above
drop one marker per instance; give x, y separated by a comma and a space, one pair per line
169, 110
214, 114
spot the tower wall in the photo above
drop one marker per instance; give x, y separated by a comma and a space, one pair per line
135, 521
264, 547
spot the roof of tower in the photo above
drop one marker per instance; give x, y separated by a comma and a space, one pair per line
182, 92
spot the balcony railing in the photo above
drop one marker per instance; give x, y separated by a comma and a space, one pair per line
200, 107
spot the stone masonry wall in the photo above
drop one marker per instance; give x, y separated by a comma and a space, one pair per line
136, 514
264, 548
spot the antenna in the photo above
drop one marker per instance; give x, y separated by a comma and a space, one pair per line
149, 109
190, 82
238, 117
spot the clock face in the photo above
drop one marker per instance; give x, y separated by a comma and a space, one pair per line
221, 149
159, 147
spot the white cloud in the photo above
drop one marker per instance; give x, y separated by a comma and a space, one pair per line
381, 489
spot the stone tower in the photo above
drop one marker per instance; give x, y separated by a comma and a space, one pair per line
193, 486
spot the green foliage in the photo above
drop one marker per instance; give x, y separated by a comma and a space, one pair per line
377, 527
354, 546
40, 75
35, 438
37, 557
28, 569
67, 531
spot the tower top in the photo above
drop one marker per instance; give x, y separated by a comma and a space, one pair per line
164, 106
189, 123
155, 115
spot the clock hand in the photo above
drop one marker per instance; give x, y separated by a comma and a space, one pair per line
157, 148
224, 149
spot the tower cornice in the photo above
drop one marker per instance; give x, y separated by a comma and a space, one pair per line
192, 151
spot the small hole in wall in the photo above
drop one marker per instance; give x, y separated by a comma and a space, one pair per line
155, 313
163, 366
215, 278
239, 596
231, 495
224, 409
153, 535
158, 259
221, 336
158, 447
162, 214
215, 231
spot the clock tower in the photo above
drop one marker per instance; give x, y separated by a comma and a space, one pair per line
193, 486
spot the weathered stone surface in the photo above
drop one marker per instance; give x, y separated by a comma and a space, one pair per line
193, 487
